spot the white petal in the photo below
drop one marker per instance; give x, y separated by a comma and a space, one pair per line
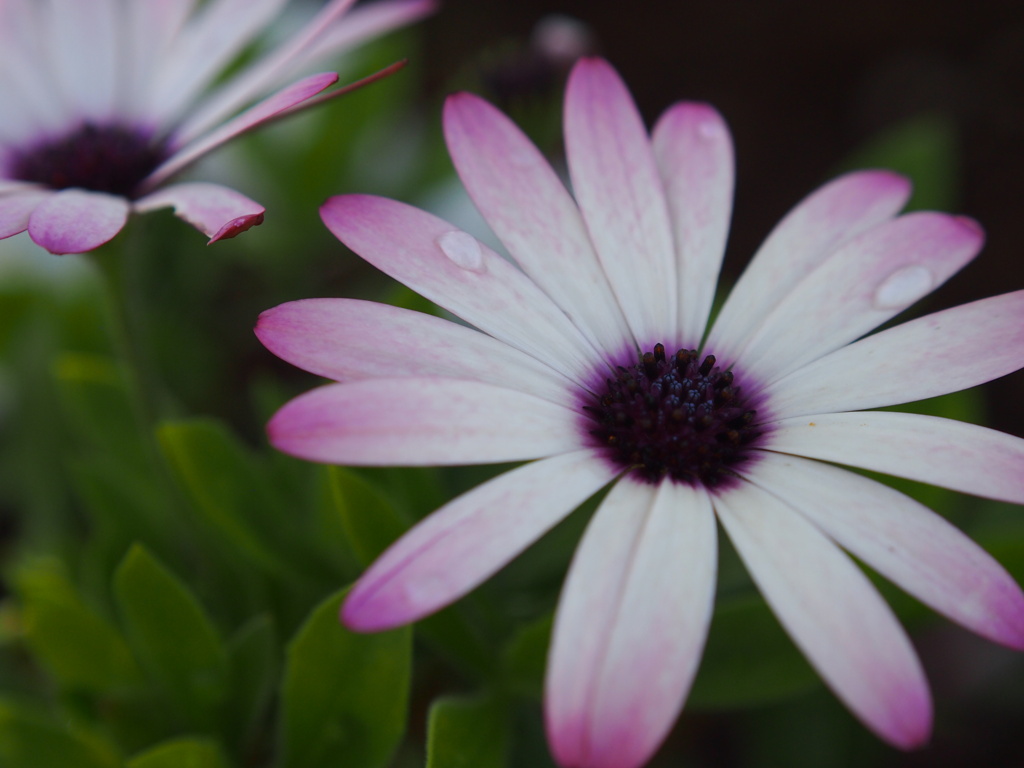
933, 355
17, 207
631, 624
868, 280
904, 541
277, 104
12, 186
694, 152
467, 540
456, 271
210, 40
30, 78
151, 27
943, 452
315, 46
619, 191
84, 53
833, 614
261, 76
807, 235
364, 22
533, 215
345, 339
422, 422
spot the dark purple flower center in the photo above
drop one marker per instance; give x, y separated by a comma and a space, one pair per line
676, 416
103, 158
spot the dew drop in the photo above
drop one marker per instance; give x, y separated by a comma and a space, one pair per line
463, 250
903, 287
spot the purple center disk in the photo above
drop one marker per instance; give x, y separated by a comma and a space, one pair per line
101, 158
672, 415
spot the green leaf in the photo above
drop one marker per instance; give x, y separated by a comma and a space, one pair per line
15, 308
525, 656
345, 695
406, 298
121, 509
231, 491
95, 395
749, 659
450, 633
181, 753
36, 444
28, 740
116, 470
371, 522
76, 645
467, 733
998, 527
253, 662
172, 637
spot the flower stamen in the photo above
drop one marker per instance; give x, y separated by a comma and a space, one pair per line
679, 416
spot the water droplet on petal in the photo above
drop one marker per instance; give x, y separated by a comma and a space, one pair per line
903, 287
463, 250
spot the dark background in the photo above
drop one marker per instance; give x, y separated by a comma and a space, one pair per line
803, 84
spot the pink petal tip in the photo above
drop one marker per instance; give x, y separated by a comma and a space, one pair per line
236, 227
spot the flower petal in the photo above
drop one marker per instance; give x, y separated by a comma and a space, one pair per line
320, 41
941, 452
694, 153
17, 207
266, 110
618, 188
76, 221
808, 235
207, 44
454, 270
933, 355
32, 103
533, 215
83, 51
7, 186
631, 625
218, 212
467, 540
366, 21
868, 280
151, 28
904, 541
263, 75
422, 422
345, 339
833, 613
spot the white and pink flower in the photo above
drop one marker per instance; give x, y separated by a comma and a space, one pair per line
104, 101
586, 366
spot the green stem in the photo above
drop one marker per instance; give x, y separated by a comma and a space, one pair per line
120, 264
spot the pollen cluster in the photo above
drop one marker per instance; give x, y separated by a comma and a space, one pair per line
678, 416
111, 158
